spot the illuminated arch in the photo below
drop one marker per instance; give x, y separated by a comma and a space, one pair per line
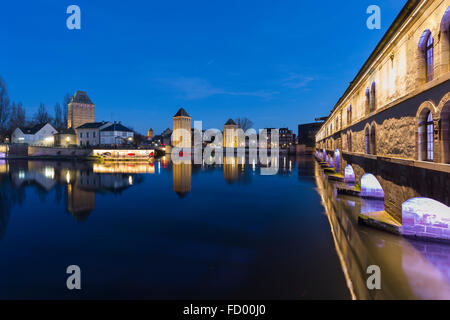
371, 187
444, 115
337, 160
424, 131
349, 174
425, 216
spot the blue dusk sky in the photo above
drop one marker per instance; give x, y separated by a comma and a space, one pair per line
279, 63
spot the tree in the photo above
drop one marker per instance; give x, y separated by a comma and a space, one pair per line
66, 101
58, 119
42, 117
4, 106
244, 123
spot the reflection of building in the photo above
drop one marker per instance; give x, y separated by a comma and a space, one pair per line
80, 110
181, 136
230, 169
41, 134
182, 173
230, 139
80, 202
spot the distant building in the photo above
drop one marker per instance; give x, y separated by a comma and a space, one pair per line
116, 134
104, 134
150, 134
80, 110
181, 138
230, 139
306, 136
287, 138
38, 135
88, 134
66, 138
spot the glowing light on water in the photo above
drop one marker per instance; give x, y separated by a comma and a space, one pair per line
49, 172
68, 177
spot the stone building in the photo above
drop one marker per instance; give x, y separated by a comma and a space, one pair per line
181, 136
80, 110
389, 132
230, 139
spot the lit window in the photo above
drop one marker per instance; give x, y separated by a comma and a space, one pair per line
429, 57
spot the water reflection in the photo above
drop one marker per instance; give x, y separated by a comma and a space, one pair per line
410, 269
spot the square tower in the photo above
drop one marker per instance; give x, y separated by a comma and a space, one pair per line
80, 110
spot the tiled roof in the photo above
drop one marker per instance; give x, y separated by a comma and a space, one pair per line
230, 122
67, 131
92, 125
81, 97
33, 129
116, 127
181, 113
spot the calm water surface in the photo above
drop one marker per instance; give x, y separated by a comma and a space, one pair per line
166, 231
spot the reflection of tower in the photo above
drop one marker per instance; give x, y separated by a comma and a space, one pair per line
182, 173
80, 202
230, 169
181, 135
80, 110
229, 134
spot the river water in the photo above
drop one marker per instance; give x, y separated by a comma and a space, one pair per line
177, 231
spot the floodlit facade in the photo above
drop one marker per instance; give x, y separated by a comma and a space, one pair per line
181, 136
393, 121
38, 135
230, 138
80, 110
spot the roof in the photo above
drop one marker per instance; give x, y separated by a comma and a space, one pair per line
181, 113
230, 122
81, 97
67, 131
92, 125
32, 130
116, 127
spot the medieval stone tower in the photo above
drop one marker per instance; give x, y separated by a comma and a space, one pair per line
80, 110
181, 138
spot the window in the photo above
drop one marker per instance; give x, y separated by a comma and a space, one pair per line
372, 98
429, 57
81, 134
93, 134
87, 135
367, 141
430, 137
426, 136
367, 101
349, 142
373, 148
349, 115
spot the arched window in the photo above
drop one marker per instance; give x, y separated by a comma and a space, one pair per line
367, 101
373, 148
426, 136
429, 57
367, 141
349, 142
430, 137
349, 115
373, 97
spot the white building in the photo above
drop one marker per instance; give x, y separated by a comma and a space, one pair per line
39, 135
116, 134
103, 134
88, 134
